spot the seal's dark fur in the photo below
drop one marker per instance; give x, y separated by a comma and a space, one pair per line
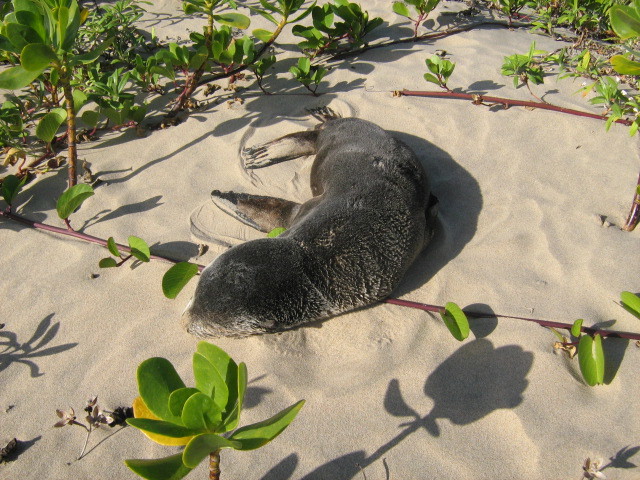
347, 247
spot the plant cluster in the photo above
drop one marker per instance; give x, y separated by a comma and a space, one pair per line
422, 9
204, 419
95, 418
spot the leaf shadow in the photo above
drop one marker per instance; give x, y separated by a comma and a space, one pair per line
139, 207
621, 458
13, 351
472, 383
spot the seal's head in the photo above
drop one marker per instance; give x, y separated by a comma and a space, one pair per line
257, 287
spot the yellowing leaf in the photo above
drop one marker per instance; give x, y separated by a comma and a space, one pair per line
140, 410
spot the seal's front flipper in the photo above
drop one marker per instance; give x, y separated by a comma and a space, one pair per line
259, 212
284, 148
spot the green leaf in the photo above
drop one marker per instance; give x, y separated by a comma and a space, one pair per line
261, 34
625, 66
36, 57
209, 380
200, 413
72, 198
178, 398
233, 20
93, 55
177, 277
276, 232
431, 78
167, 468
256, 435
11, 186
304, 64
456, 321
108, 262
139, 248
17, 77
157, 378
631, 303
231, 422
591, 359
401, 9
79, 99
90, 117
227, 372
50, 123
625, 21
202, 445
113, 247
576, 328
162, 427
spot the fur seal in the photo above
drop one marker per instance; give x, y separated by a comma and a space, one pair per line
370, 216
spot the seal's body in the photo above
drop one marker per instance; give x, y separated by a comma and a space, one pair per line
347, 247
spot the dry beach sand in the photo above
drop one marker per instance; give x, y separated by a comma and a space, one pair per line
387, 388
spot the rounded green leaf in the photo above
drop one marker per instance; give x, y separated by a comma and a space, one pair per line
108, 262
276, 232
431, 78
261, 34
36, 57
256, 435
157, 379
72, 198
209, 381
456, 321
304, 64
90, 117
113, 247
576, 328
17, 77
162, 427
79, 99
625, 21
200, 413
625, 66
401, 9
233, 20
178, 398
631, 303
591, 359
139, 249
11, 186
201, 446
167, 468
177, 277
50, 123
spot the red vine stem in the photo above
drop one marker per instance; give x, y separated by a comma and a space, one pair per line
545, 323
394, 301
507, 102
72, 233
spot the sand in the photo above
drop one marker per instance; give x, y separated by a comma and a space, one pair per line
387, 389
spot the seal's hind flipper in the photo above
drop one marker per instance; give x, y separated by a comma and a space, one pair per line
284, 148
260, 212
324, 114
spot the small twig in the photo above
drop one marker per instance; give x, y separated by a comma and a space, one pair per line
507, 102
428, 36
86, 440
634, 214
545, 323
